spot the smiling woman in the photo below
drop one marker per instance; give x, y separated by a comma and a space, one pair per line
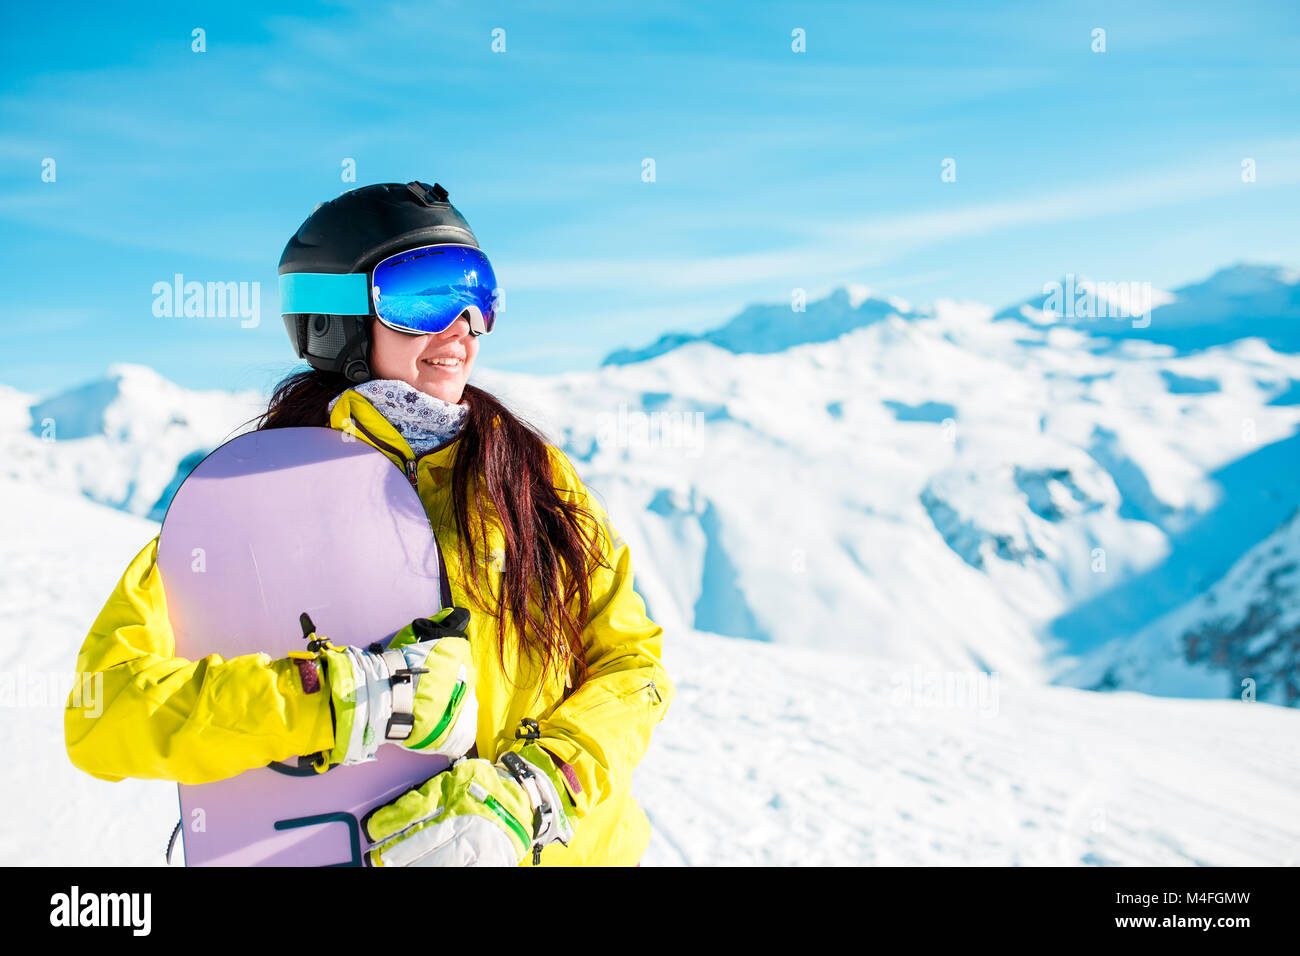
552, 556
568, 701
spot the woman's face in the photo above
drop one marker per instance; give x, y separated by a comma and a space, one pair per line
437, 365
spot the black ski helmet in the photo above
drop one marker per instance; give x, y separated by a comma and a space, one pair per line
353, 233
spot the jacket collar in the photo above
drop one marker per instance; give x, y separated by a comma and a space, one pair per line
354, 413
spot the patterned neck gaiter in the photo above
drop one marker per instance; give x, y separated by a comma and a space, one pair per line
424, 420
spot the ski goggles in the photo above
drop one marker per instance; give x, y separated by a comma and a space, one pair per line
417, 291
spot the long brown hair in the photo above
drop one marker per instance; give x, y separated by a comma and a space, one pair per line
549, 554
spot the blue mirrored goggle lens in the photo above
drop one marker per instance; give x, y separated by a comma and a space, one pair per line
426, 290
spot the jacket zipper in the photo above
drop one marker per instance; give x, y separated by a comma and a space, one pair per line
409, 462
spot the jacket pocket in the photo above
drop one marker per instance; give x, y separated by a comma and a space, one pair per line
639, 685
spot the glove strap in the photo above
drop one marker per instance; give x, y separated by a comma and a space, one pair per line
551, 822
542, 812
384, 688
401, 720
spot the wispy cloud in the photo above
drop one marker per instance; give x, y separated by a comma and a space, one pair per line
843, 248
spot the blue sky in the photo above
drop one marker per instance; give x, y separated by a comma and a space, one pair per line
774, 169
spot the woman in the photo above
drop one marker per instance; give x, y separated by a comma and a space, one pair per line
385, 293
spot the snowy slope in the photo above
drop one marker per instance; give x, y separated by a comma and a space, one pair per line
62, 556
770, 754
785, 756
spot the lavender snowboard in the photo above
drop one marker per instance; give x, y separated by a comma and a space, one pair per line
271, 524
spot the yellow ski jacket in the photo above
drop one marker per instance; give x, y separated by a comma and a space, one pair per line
160, 716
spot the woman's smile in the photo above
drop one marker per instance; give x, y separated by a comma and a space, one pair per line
437, 364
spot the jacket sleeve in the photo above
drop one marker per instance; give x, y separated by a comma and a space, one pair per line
603, 729
137, 711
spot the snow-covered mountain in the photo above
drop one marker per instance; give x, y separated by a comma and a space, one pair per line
766, 328
944, 486
770, 754
1239, 638
940, 486
1239, 301
120, 439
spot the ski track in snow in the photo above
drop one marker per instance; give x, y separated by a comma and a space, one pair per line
770, 754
